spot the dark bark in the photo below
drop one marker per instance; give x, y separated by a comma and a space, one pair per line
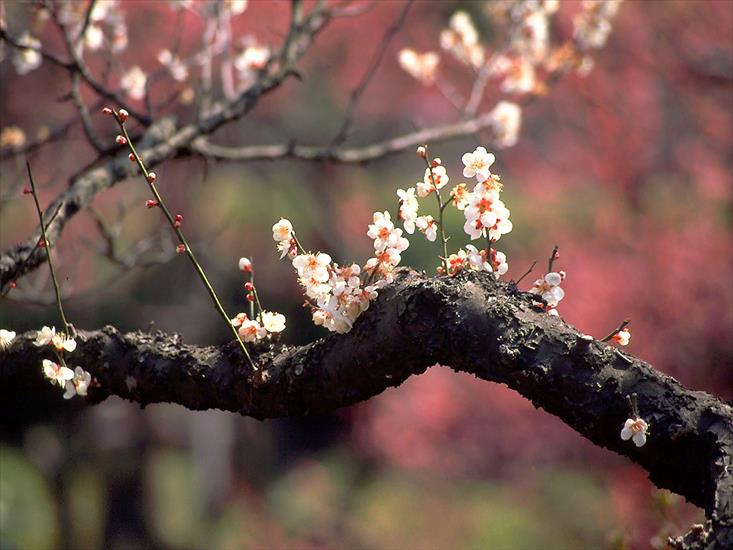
470, 323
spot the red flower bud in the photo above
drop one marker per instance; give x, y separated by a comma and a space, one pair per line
422, 152
250, 297
179, 218
106, 111
131, 157
436, 162
120, 140
248, 286
13, 284
27, 191
180, 248
151, 203
123, 115
42, 243
151, 177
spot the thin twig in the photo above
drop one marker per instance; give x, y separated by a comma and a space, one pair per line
47, 245
526, 273
554, 256
621, 326
182, 239
377, 58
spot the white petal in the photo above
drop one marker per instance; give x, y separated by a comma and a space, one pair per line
626, 433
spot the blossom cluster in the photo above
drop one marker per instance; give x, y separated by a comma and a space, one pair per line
461, 40
337, 294
74, 382
421, 66
594, 23
267, 323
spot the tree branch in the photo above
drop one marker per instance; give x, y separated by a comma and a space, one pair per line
469, 322
161, 141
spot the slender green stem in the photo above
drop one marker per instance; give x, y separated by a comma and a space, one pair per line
47, 243
257, 301
441, 208
297, 243
184, 242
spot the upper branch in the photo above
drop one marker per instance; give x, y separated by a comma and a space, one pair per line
470, 323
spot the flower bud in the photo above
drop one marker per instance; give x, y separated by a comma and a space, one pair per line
245, 265
151, 177
106, 111
123, 115
250, 297
120, 140
436, 162
131, 157
42, 243
151, 203
13, 284
422, 152
180, 249
248, 286
27, 191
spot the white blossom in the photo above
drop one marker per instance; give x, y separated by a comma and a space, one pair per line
427, 225
408, 208
636, 430
79, 384
421, 66
282, 230
549, 288
478, 164
622, 337
57, 373
506, 120
6, 337
273, 322
133, 82
251, 331
45, 336
28, 57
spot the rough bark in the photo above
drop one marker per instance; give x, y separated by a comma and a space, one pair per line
470, 323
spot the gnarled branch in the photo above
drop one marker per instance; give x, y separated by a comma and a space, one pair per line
472, 324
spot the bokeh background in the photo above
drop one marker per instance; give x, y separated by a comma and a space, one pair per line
628, 169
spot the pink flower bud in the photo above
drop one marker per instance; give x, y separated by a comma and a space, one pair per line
123, 115
422, 152
180, 248
250, 297
27, 191
13, 285
248, 286
106, 111
245, 265
131, 157
120, 140
151, 203
436, 162
151, 177
42, 243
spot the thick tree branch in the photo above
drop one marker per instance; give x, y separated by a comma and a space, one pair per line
470, 323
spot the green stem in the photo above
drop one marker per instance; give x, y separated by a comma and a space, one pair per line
441, 208
56, 288
182, 239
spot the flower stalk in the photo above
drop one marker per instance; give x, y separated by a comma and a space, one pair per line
182, 239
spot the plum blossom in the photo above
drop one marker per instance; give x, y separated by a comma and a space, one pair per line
282, 230
549, 289
6, 337
478, 164
27, 58
427, 225
313, 266
384, 233
421, 66
506, 120
79, 384
133, 83
273, 322
636, 430
251, 331
176, 67
461, 40
408, 208
56, 373
459, 196
622, 337
45, 336
486, 213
